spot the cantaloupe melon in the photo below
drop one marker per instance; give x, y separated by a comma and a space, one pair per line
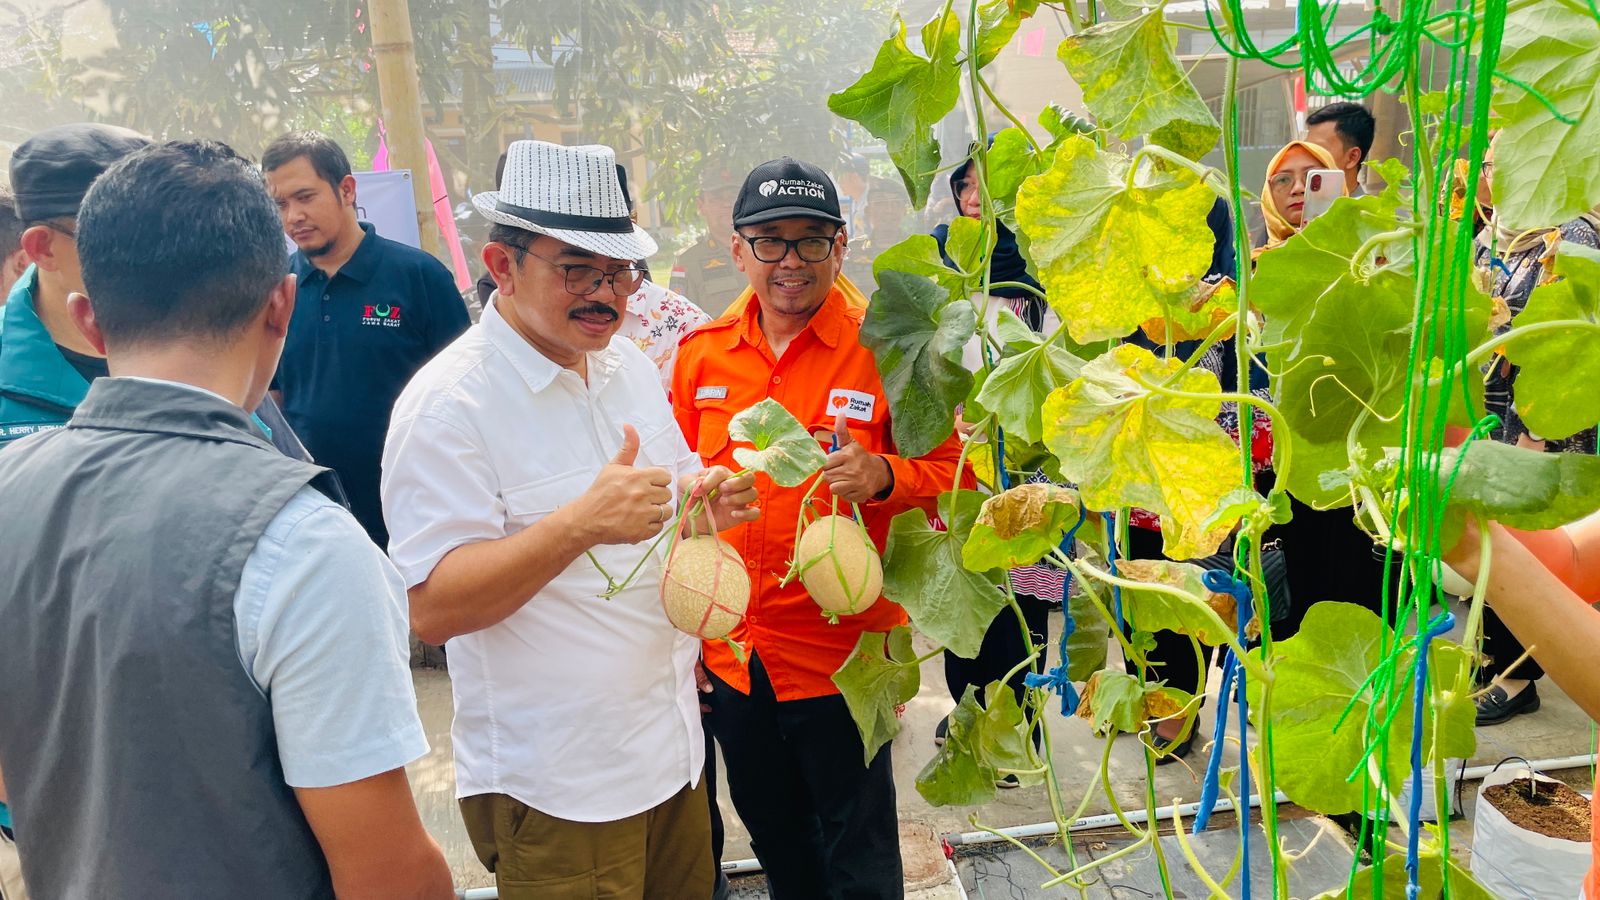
839, 566
705, 589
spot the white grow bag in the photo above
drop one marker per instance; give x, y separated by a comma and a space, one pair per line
1517, 864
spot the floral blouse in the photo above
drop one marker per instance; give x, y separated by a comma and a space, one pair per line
657, 319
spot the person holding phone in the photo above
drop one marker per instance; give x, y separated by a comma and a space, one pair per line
1283, 200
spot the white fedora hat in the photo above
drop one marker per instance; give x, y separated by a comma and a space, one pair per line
568, 193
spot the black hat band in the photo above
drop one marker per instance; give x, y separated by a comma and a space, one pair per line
567, 222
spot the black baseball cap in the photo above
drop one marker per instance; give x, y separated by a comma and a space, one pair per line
52, 171
786, 189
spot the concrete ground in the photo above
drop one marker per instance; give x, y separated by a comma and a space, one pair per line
1559, 729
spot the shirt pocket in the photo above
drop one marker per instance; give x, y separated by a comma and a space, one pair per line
713, 436
528, 503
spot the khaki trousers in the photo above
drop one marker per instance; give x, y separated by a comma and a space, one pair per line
663, 853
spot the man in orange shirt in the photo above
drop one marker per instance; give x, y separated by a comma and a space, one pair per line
822, 824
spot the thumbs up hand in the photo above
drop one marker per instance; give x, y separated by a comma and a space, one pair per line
627, 503
853, 474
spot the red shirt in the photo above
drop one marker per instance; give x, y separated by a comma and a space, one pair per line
726, 367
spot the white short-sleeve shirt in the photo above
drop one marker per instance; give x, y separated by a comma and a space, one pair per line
580, 707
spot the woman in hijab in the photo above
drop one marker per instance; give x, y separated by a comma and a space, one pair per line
1283, 199
1039, 586
1511, 264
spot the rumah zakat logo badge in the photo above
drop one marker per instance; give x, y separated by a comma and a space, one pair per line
793, 187
382, 314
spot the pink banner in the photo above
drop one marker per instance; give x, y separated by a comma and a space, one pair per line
1033, 43
442, 212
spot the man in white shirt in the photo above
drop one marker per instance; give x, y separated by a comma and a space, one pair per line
536, 449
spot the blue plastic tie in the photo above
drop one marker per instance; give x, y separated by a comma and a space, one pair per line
1056, 679
1111, 560
1233, 678
1440, 625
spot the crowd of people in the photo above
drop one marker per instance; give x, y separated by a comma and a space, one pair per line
240, 480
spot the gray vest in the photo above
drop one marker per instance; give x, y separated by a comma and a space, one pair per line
139, 754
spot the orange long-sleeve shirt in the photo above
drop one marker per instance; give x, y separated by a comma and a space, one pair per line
727, 366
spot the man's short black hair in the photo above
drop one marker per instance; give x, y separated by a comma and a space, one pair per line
179, 241
1352, 121
326, 156
11, 227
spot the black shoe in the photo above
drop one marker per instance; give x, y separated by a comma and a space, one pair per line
1495, 707
941, 731
1007, 781
1173, 750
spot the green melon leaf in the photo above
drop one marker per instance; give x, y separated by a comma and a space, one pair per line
1016, 390
1556, 395
1128, 446
1430, 880
1520, 487
981, 741
1112, 249
878, 675
917, 334
1316, 674
924, 573
1019, 527
919, 255
997, 23
783, 448
1087, 646
1546, 171
904, 95
1134, 86
1292, 280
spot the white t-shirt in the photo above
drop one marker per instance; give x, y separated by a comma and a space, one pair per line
582, 708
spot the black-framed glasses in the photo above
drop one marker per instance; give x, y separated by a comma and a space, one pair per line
584, 280
59, 228
774, 249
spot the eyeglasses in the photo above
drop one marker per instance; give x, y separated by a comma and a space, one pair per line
584, 280
1283, 180
774, 249
62, 229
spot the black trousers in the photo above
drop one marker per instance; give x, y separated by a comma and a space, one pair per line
823, 825
1001, 650
720, 887
1502, 648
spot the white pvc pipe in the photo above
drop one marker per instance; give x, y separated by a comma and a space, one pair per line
1091, 822
1538, 765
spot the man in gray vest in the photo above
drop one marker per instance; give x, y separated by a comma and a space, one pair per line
206, 691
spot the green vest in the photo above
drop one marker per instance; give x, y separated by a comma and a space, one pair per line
39, 389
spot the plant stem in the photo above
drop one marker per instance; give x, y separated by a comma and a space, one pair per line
989, 92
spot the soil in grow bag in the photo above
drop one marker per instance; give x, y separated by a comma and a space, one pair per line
1551, 809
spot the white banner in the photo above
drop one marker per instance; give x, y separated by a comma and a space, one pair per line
385, 199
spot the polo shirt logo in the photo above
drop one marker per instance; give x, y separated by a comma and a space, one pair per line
380, 314
854, 404
711, 393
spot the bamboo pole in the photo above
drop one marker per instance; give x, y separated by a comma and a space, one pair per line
399, 94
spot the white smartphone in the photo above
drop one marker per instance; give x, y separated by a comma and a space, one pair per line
1323, 186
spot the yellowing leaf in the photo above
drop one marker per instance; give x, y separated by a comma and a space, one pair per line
1019, 527
1133, 84
1113, 247
1125, 445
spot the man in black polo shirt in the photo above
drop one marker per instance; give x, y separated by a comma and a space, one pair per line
368, 313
